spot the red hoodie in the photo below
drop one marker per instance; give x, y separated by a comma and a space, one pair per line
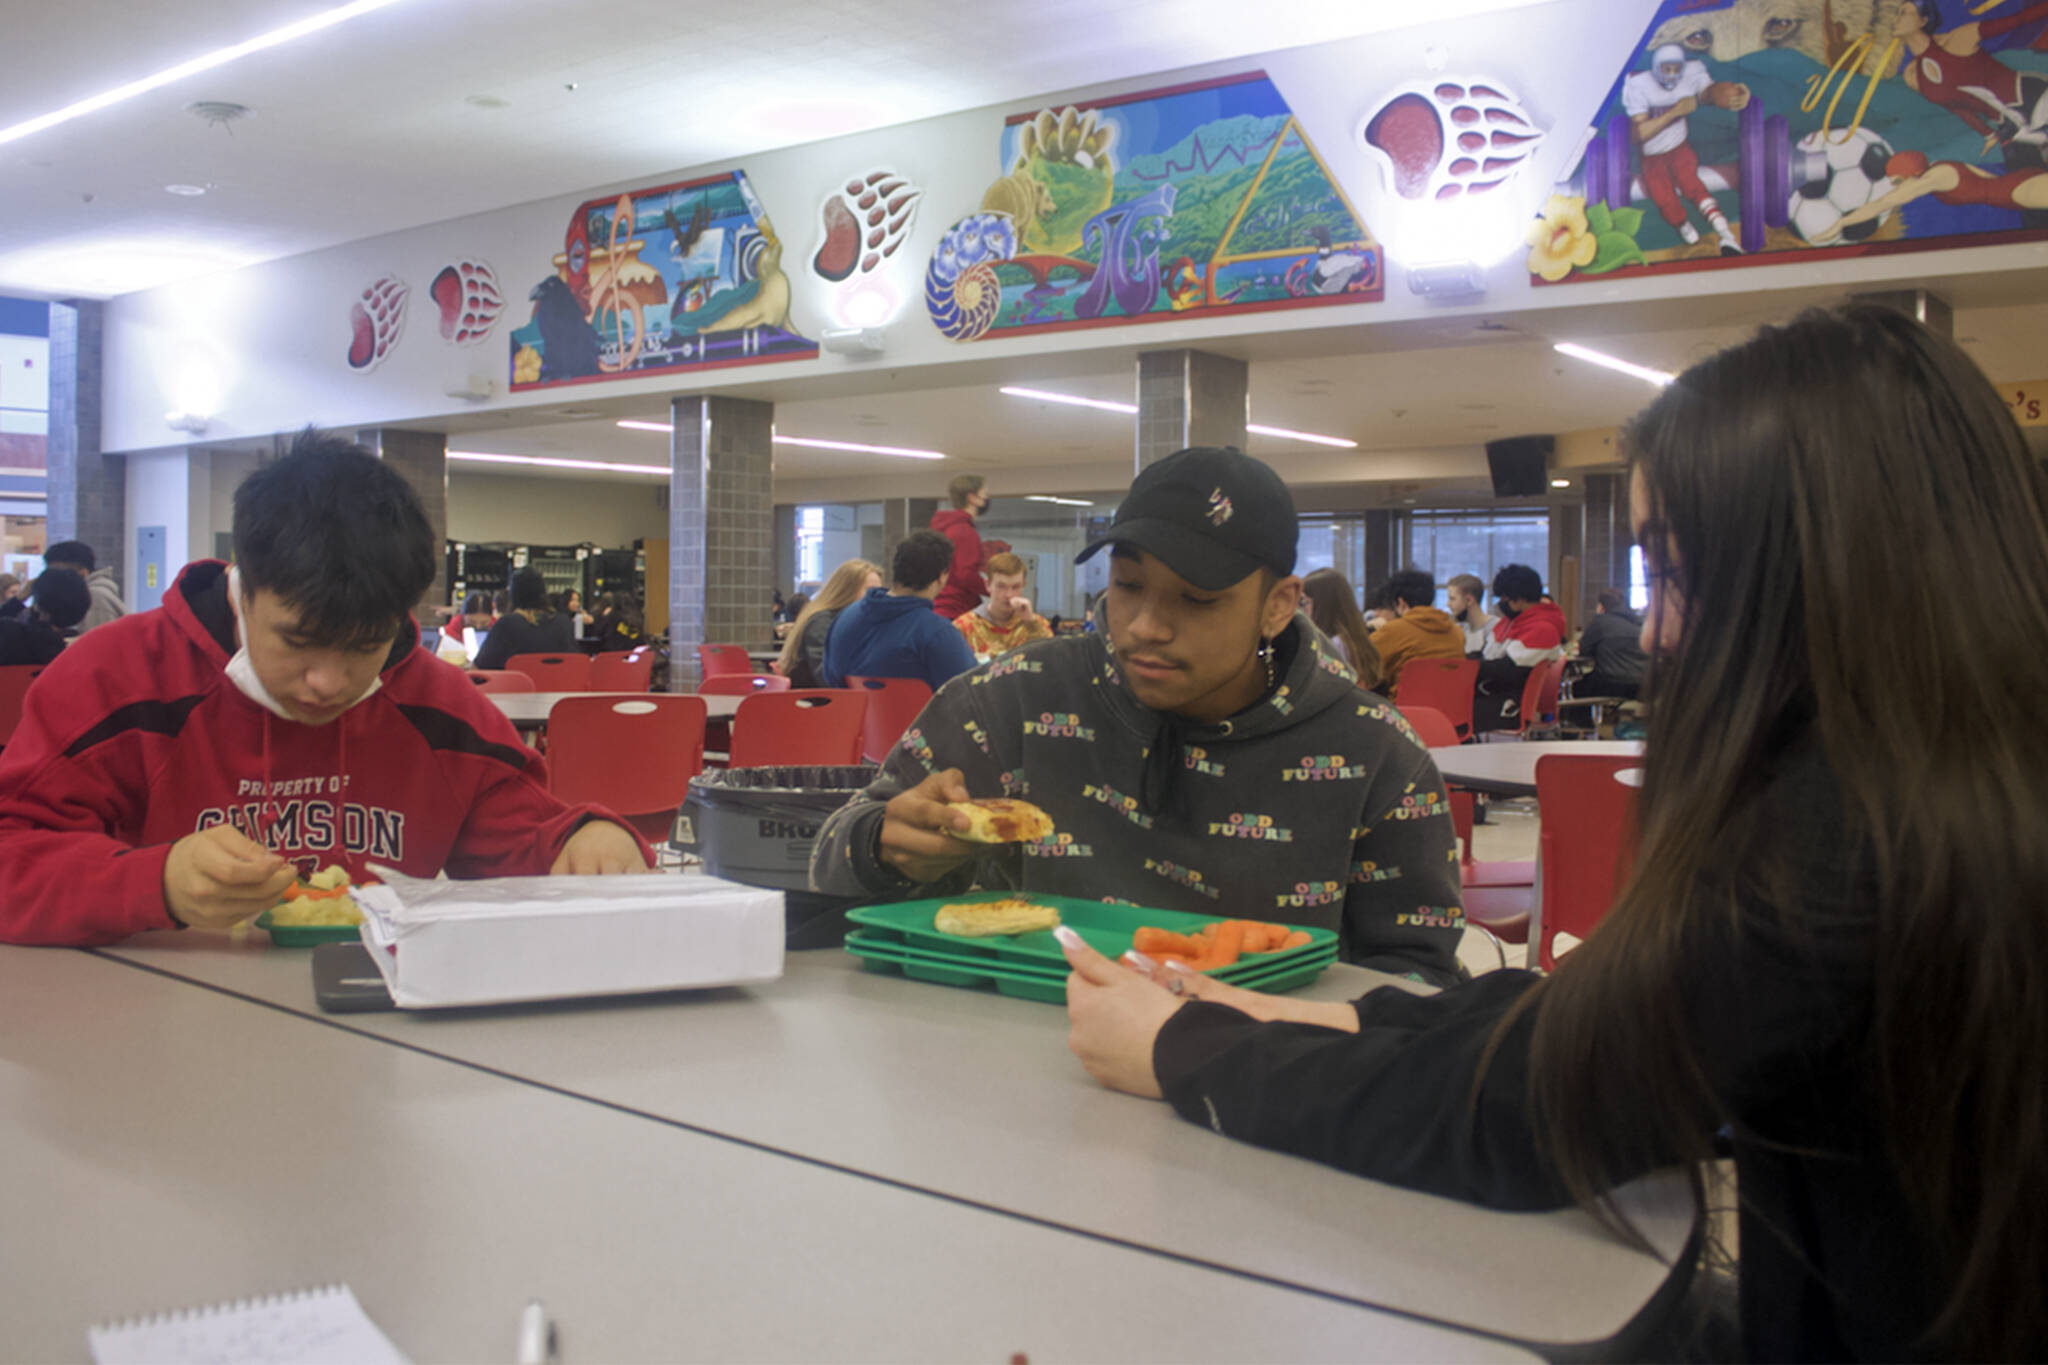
965, 587
135, 738
1532, 637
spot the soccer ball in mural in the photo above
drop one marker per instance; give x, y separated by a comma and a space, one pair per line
1834, 173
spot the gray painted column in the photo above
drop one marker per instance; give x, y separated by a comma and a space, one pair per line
1379, 549
786, 567
1189, 398
421, 459
901, 516
721, 529
88, 491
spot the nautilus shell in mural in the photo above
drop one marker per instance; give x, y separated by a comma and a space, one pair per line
961, 290
376, 320
468, 296
1448, 137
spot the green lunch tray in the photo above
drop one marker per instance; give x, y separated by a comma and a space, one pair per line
873, 940
1106, 928
1027, 984
307, 935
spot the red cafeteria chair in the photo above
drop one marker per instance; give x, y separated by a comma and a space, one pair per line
893, 703
499, 680
632, 755
742, 684
1539, 700
553, 672
629, 672
713, 660
14, 681
1444, 685
799, 727
1586, 805
1498, 894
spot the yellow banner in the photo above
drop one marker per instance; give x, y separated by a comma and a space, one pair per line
2028, 401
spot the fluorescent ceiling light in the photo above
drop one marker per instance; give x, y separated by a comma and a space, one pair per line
901, 452
218, 57
1064, 502
1072, 400
1309, 436
552, 462
1593, 357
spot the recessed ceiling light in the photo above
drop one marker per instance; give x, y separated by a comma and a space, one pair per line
551, 462
207, 62
188, 191
1606, 361
1072, 400
1308, 436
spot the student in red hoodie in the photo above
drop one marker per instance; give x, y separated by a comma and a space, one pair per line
1531, 631
965, 585
180, 767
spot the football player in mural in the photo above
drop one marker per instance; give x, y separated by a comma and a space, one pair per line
1657, 102
1951, 68
1951, 182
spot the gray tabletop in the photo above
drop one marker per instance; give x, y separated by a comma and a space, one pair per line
1508, 768
531, 708
168, 1147
975, 1097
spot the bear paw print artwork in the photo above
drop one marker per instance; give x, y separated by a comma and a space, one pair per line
376, 320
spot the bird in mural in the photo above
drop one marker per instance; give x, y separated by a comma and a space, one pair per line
700, 219
568, 343
761, 302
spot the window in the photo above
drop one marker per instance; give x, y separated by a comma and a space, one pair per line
810, 544
1638, 580
1333, 543
1446, 544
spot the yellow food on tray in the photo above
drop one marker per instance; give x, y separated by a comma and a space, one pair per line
984, 919
321, 899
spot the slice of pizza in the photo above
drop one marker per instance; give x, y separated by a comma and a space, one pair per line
984, 919
1002, 820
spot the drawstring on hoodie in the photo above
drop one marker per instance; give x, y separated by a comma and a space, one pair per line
269, 798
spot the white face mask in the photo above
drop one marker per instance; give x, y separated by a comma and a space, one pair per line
242, 670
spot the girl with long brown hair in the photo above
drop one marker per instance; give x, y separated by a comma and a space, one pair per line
803, 648
1334, 609
1834, 943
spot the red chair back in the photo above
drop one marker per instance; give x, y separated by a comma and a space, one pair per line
803, 726
499, 680
893, 703
742, 684
1539, 696
713, 660
1443, 685
1430, 725
553, 672
634, 755
14, 681
629, 672
1588, 838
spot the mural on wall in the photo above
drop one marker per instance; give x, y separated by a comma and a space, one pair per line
863, 222
468, 296
676, 277
1786, 129
376, 320
1202, 197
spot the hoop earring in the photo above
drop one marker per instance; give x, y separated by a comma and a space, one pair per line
1266, 658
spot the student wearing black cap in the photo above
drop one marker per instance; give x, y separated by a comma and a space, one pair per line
1203, 750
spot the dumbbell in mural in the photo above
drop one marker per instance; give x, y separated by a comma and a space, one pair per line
1806, 185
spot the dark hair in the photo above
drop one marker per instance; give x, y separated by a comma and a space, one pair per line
562, 599
1334, 610
529, 590
501, 602
71, 553
476, 604
963, 487
1518, 583
1412, 586
62, 597
1785, 475
797, 603
339, 536
921, 560
1610, 599
1930, 14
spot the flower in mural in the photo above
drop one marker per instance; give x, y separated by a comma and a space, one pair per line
961, 290
1560, 239
526, 366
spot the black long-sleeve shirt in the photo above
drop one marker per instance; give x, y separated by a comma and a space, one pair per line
514, 634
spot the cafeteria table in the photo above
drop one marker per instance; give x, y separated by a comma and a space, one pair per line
529, 710
168, 1147
973, 1098
1508, 768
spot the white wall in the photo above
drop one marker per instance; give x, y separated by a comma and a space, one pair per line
172, 489
494, 507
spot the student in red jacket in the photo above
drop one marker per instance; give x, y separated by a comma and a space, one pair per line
965, 585
182, 766
1531, 631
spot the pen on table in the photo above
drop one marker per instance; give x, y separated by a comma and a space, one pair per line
536, 1335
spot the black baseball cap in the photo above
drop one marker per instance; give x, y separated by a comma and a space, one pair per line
1214, 517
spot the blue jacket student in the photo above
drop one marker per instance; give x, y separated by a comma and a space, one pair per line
893, 632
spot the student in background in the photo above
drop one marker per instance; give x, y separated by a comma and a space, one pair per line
1417, 629
803, 649
77, 556
1333, 608
1531, 631
1006, 620
1465, 599
530, 628
964, 587
10, 595
893, 632
36, 635
1609, 643
1832, 947
620, 627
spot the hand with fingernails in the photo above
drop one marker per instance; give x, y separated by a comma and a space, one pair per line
918, 828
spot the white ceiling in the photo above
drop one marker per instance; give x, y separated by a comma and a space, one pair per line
368, 127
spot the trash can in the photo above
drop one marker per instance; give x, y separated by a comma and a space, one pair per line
757, 825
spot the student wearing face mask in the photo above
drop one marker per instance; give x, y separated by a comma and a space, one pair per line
179, 767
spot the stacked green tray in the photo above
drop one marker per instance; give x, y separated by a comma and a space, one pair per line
900, 938
306, 935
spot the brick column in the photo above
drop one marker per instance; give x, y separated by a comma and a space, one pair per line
1189, 398
1604, 554
721, 529
88, 491
421, 459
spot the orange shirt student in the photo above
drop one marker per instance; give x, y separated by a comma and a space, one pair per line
1006, 619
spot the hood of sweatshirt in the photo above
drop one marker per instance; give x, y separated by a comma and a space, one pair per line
944, 522
198, 604
1532, 622
1433, 621
878, 605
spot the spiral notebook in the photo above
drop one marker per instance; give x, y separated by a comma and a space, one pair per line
323, 1326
